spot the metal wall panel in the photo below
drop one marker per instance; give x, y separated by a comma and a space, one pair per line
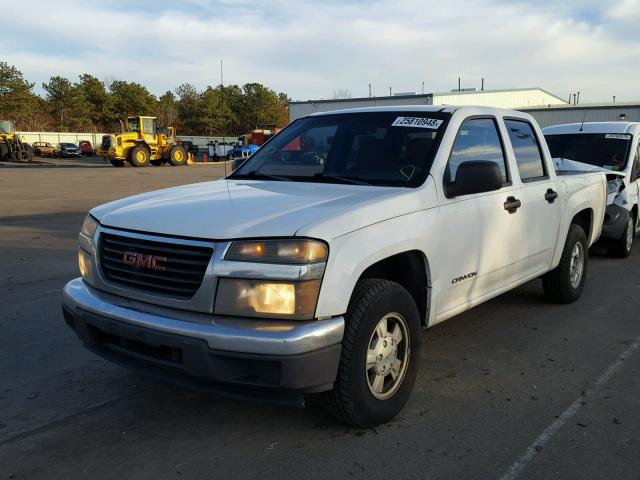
558, 116
300, 109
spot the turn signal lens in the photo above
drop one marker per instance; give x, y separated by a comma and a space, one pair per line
83, 262
89, 227
257, 298
278, 251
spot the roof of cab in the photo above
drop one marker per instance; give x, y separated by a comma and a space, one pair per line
593, 127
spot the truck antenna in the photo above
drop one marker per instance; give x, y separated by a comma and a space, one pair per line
584, 117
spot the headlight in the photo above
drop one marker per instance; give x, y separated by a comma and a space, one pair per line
89, 227
612, 186
278, 251
260, 298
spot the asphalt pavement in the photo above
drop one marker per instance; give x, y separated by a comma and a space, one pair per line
515, 388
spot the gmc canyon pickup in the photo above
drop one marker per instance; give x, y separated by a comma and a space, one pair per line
313, 267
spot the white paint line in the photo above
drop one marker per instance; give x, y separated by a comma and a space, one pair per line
519, 465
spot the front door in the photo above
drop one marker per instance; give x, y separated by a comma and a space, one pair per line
478, 237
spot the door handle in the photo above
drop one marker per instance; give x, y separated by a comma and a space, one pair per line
551, 195
512, 204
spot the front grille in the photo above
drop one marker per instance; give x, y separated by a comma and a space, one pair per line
128, 262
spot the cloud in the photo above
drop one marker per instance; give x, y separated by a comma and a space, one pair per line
308, 49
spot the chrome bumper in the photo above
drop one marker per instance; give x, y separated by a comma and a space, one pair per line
266, 337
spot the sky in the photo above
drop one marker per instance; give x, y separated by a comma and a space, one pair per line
310, 49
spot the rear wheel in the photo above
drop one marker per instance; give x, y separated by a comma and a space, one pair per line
177, 156
4, 151
117, 163
380, 353
621, 248
564, 284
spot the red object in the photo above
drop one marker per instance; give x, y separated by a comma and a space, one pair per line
140, 260
204, 158
85, 147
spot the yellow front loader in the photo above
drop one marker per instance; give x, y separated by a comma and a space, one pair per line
141, 143
12, 147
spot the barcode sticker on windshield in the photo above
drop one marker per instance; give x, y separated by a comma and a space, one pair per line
418, 122
618, 136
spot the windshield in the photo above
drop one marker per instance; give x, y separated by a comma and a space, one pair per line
378, 148
607, 150
133, 124
6, 126
68, 145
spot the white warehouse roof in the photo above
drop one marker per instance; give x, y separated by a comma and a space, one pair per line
510, 98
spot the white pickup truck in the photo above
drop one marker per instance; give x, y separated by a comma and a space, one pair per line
614, 148
313, 267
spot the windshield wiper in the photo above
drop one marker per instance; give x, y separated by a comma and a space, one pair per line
259, 175
351, 180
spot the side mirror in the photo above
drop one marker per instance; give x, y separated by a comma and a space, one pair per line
475, 177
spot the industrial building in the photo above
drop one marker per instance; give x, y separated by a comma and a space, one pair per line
546, 108
511, 98
588, 112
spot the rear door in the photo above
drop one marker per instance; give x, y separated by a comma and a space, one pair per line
477, 248
538, 195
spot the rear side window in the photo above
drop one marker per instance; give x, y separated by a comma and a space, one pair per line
526, 149
477, 140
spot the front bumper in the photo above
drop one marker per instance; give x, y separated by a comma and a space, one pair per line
277, 361
615, 221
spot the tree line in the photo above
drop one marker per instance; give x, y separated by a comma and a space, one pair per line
90, 104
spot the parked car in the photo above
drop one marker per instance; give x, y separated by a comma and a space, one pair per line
44, 149
613, 147
317, 277
69, 150
86, 148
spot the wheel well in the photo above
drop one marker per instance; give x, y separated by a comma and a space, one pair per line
409, 269
585, 220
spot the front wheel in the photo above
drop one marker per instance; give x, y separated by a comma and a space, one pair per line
380, 354
139, 156
564, 284
621, 248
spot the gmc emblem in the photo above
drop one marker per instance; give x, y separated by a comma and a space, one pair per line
139, 260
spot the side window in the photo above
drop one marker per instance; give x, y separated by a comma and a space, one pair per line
477, 140
526, 149
635, 172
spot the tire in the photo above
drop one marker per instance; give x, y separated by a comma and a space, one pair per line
117, 163
564, 284
621, 248
156, 163
177, 156
357, 399
139, 156
4, 152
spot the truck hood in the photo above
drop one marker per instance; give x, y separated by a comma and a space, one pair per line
567, 165
227, 209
